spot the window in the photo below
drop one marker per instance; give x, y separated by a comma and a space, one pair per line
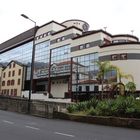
63, 38
12, 82
19, 72
3, 83
87, 45
15, 92
9, 74
45, 34
7, 91
11, 92
8, 83
80, 88
4, 74
49, 33
81, 47
10, 66
96, 88
13, 73
18, 82
87, 88
37, 38
14, 65
40, 36
58, 39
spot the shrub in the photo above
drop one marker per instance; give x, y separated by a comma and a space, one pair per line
104, 108
71, 108
81, 106
92, 103
92, 111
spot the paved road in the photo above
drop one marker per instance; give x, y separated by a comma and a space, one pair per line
14, 126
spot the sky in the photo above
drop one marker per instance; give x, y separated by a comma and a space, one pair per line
119, 16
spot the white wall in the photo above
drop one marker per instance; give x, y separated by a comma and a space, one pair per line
59, 88
127, 66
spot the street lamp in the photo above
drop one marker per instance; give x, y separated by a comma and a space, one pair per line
32, 63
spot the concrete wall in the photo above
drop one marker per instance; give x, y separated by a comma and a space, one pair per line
38, 108
59, 88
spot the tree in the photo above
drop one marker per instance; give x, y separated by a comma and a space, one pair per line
103, 67
121, 74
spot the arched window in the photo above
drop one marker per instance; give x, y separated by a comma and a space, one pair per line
8, 83
3, 83
12, 82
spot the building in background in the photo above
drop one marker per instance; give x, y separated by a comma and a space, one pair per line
1, 68
66, 55
13, 79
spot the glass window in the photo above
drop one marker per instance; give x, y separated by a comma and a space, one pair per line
61, 57
22, 54
58, 39
86, 70
42, 55
63, 38
81, 47
87, 45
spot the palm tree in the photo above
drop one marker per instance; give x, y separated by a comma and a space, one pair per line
103, 67
121, 74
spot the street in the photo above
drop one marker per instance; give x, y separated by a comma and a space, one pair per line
14, 126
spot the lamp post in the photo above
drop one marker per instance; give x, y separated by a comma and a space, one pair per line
32, 63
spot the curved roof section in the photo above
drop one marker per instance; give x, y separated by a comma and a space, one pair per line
74, 20
126, 35
120, 43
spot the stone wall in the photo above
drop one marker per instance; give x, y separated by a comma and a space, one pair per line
38, 108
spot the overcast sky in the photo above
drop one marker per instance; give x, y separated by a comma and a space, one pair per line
119, 16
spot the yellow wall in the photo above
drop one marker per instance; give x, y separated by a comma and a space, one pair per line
15, 78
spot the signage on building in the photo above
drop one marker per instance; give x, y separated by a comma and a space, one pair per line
60, 69
56, 70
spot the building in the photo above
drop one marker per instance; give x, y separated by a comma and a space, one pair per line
1, 68
12, 80
65, 56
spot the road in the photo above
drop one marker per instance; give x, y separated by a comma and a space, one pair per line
14, 126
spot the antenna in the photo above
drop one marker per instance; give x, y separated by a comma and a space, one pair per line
105, 28
132, 31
